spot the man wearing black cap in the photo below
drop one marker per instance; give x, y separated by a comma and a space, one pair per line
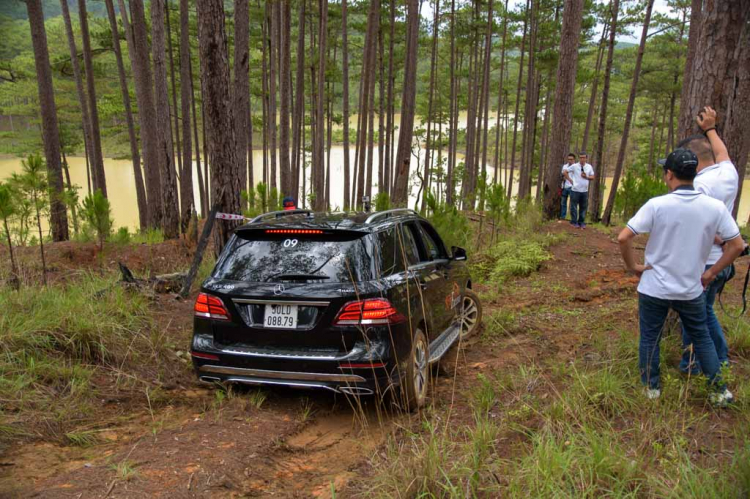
716, 177
682, 227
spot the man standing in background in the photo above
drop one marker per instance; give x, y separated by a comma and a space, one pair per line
717, 177
566, 186
580, 174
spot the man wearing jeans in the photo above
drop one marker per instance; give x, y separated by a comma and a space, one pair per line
580, 174
567, 184
717, 177
682, 227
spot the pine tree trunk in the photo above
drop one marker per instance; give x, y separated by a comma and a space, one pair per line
389, 99
529, 114
496, 161
272, 78
225, 180
486, 101
241, 90
299, 106
318, 162
140, 190
285, 91
82, 99
594, 87
452, 119
381, 110
562, 115
202, 187
686, 119
50, 132
400, 195
607, 217
598, 158
176, 117
187, 196
518, 102
144, 92
264, 78
97, 162
431, 91
170, 204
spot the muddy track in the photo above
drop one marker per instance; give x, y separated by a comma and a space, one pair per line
308, 444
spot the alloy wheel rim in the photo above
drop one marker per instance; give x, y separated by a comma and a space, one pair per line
420, 368
469, 315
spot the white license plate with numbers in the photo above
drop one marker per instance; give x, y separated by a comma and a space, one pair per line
280, 315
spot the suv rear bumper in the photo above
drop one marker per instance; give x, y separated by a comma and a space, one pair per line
375, 370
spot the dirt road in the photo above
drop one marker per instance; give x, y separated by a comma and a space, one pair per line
285, 443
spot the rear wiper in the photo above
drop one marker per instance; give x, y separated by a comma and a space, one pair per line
298, 277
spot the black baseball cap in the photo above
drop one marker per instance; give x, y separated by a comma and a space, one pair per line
681, 161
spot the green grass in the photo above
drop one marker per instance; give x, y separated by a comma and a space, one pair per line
56, 342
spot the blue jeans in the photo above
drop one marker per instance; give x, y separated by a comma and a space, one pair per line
564, 202
714, 328
579, 203
652, 313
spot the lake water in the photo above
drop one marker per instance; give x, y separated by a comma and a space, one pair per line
121, 184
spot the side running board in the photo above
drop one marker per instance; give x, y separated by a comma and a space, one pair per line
443, 343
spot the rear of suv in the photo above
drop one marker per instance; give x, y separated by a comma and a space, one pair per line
352, 303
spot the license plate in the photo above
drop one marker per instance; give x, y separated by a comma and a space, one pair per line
280, 315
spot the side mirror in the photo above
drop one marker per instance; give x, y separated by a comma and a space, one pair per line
459, 254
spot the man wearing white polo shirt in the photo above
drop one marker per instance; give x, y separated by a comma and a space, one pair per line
580, 173
682, 227
567, 185
717, 177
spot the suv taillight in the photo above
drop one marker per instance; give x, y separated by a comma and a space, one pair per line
210, 307
371, 311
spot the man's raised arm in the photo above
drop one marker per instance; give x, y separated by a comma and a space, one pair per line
706, 119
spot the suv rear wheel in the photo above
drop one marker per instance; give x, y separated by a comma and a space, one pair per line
415, 381
471, 314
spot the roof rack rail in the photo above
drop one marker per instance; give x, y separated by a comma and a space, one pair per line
279, 214
389, 213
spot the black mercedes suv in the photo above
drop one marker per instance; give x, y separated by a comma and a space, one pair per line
356, 303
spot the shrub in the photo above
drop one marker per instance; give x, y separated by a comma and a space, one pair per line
98, 214
452, 226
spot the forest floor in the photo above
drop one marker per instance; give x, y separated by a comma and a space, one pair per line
543, 401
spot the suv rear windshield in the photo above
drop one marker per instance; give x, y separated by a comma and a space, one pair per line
254, 256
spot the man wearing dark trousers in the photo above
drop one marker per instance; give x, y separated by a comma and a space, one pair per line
580, 174
717, 177
682, 227
567, 185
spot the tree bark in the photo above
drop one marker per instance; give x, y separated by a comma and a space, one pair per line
389, 99
318, 163
187, 196
496, 161
562, 114
518, 102
202, 186
140, 190
176, 116
285, 85
225, 181
97, 162
431, 91
144, 92
165, 152
486, 101
345, 97
272, 89
598, 158
50, 131
606, 219
529, 114
400, 195
241, 91
594, 87
696, 18
82, 99
299, 106
452, 119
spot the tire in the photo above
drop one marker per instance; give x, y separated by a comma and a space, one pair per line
416, 378
471, 314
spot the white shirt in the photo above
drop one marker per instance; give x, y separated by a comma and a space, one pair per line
719, 181
580, 184
567, 184
682, 225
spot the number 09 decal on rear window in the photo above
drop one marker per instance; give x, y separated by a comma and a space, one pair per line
290, 243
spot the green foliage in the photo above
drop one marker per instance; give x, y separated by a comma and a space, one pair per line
382, 201
452, 226
121, 236
98, 214
637, 187
516, 257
